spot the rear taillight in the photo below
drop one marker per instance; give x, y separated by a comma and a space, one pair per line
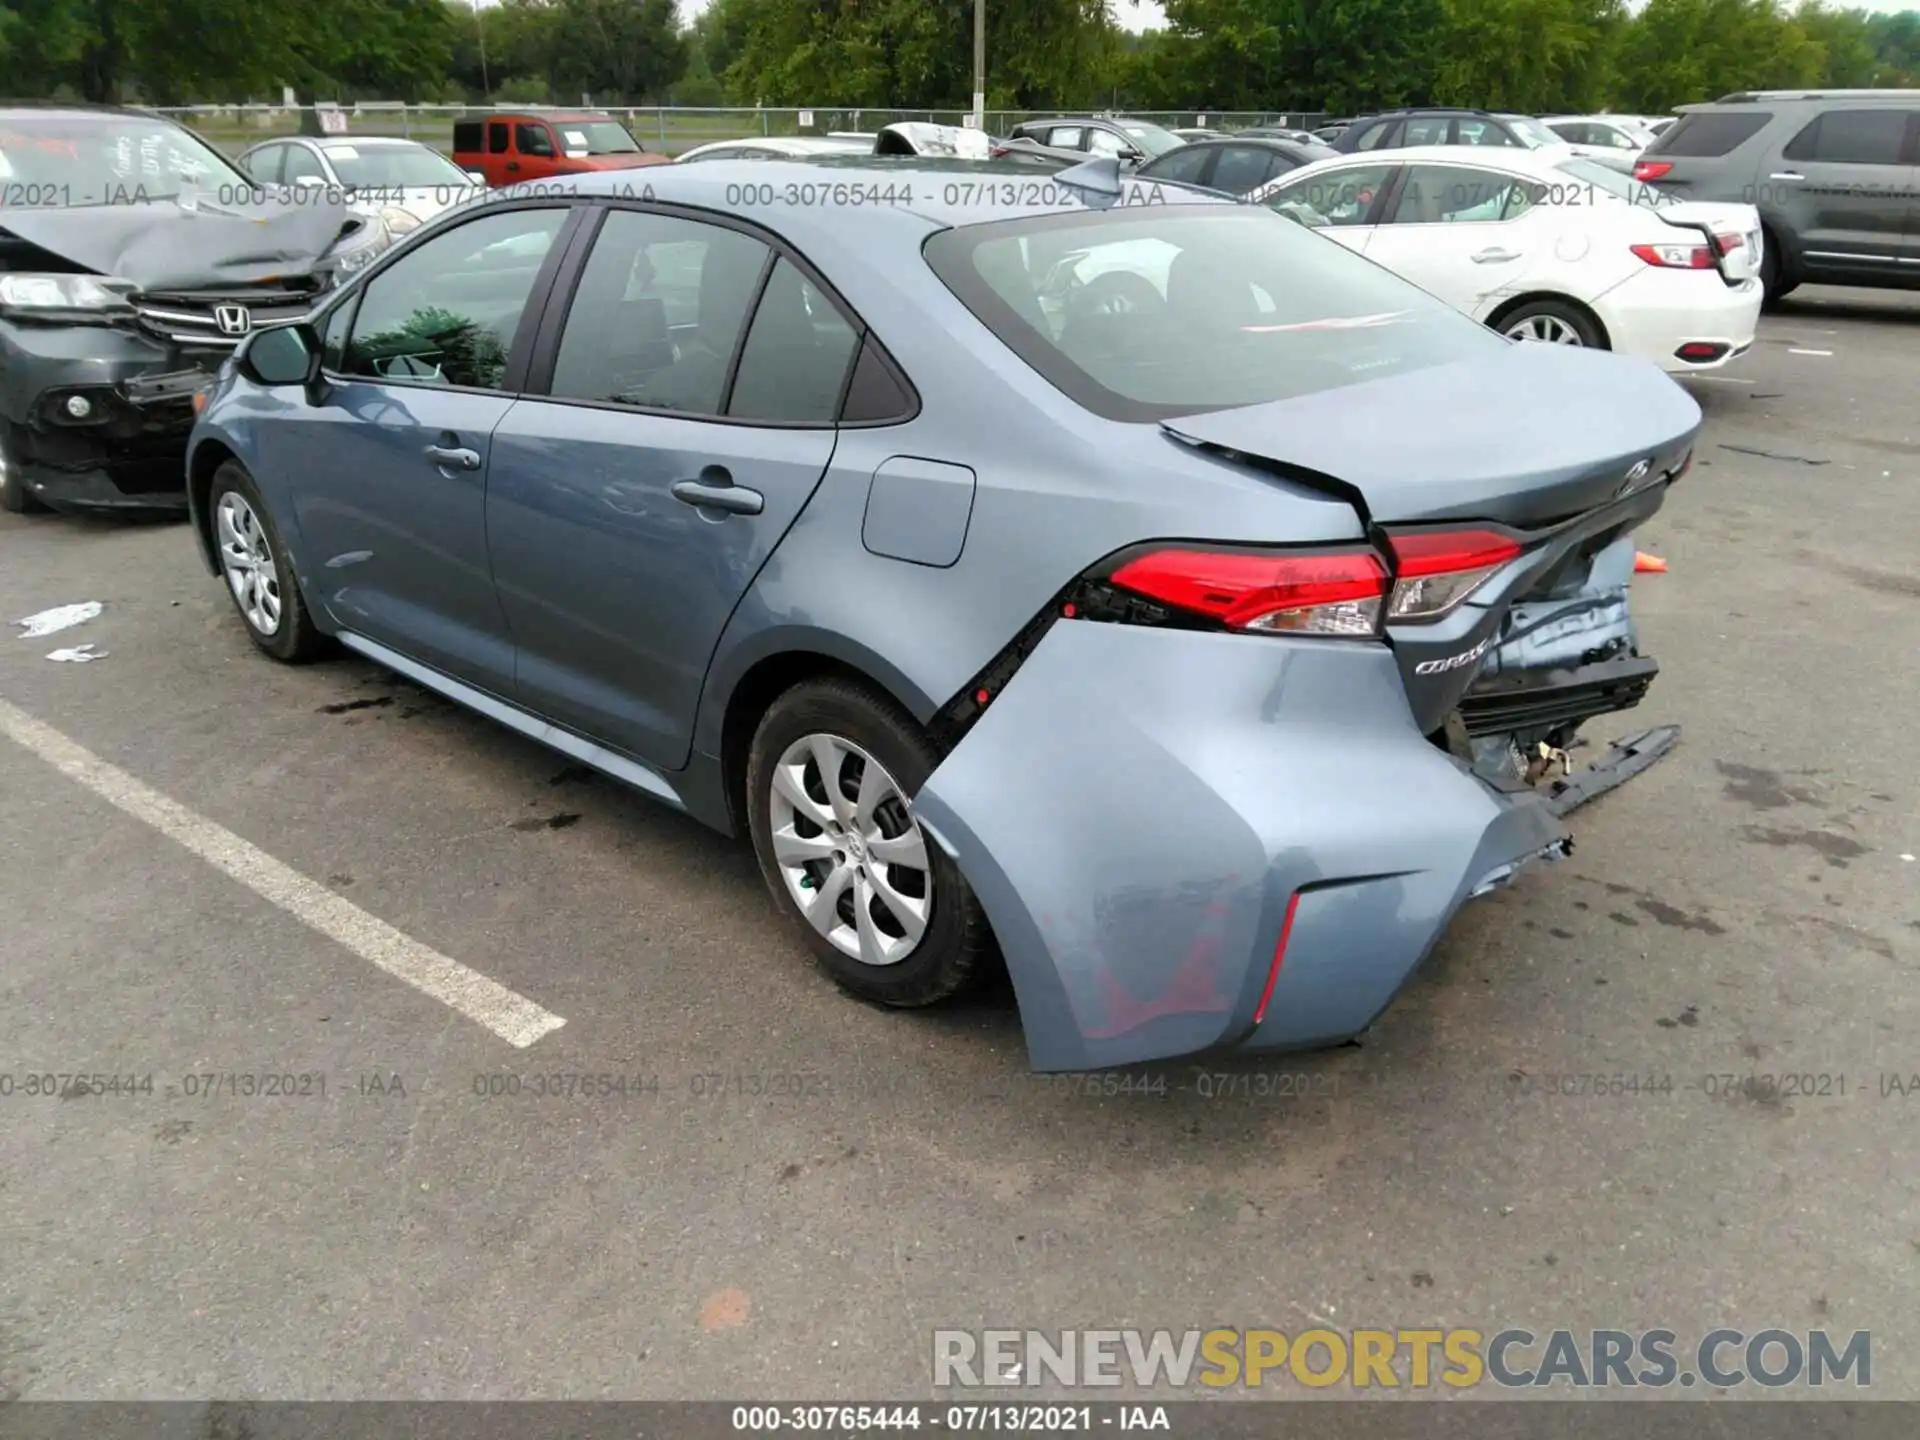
1650, 170
1267, 591
1677, 257
1727, 244
1437, 569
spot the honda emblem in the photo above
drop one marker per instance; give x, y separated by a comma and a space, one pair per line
233, 320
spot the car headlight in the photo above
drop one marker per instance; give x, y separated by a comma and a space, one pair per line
66, 297
354, 252
399, 221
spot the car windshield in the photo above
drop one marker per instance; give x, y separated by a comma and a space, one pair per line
1532, 132
1193, 308
594, 137
80, 159
381, 166
1151, 139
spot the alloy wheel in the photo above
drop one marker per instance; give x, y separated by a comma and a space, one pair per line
247, 560
1550, 329
853, 857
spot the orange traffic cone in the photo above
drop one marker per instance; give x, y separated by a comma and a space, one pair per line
1645, 564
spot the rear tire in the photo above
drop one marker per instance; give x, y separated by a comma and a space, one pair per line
1552, 322
832, 770
257, 571
1773, 279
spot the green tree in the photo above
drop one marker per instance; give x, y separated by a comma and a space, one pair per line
1676, 51
618, 50
1534, 56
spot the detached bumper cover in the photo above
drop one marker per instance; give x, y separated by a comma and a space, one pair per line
1139, 807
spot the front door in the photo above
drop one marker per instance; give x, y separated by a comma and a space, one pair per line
1344, 203
393, 462
631, 509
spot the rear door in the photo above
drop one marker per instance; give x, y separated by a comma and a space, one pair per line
693, 384
499, 157
1462, 234
1846, 181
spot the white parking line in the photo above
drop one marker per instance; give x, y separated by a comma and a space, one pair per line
512, 1017
1810, 352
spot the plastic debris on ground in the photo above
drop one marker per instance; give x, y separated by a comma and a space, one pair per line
61, 617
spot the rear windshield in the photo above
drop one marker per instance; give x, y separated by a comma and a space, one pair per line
1707, 133
1532, 131
1145, 316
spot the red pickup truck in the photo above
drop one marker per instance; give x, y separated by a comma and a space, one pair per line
512, 146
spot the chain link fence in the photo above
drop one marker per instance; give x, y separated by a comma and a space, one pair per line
669, 129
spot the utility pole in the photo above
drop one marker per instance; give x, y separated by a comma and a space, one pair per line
980, 65
486, 84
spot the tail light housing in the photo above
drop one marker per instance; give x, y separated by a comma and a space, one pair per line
1727, 244
1274, 592
1435, 570
1347, 592
1647, 171
1680, 256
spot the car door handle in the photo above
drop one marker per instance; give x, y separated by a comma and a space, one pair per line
1786, 175
1495, 257
513, 164
453, 457
715, 490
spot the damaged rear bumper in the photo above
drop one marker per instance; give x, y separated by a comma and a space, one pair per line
126, 449
1144, 814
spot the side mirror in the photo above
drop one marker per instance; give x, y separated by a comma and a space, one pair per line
308, 182
478, 177
284, 355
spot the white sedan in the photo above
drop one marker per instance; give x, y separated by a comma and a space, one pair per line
1543, 246
402, 181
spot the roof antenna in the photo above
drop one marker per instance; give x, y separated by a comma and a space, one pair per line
1098, 178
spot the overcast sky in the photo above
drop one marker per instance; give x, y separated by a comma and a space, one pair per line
1147, 14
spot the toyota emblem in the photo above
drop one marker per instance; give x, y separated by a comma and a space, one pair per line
234, 320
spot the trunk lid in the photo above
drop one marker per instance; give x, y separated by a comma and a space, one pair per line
1720, 222
1563, 451
1526, 436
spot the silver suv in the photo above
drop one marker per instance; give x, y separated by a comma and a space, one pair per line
1833, 172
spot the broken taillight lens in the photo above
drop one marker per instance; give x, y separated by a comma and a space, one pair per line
1273, 592
1648, 170
1434, 570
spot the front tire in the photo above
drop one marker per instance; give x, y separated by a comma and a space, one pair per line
15, 499
257, 571
1553, 322
887, 914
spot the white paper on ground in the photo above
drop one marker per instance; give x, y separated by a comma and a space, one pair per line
61, 617
79, 654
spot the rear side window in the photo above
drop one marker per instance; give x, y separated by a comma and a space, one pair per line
1707, 133
1853, 137
497, 138
1187, 309
466, 136
1378, 136
794, 364
1242, 167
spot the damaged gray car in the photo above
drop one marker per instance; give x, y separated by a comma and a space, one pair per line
133, 259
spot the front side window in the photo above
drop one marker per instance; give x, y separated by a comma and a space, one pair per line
1487, 132
1379, 137
1242, 168
1337, 197
1428, 130
658, 314
447, 312
1179, 309
1105, 142
301, 165
264, 164
532, 140
1066, 137
1184, 164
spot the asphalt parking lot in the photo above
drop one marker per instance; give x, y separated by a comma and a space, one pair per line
796, 1190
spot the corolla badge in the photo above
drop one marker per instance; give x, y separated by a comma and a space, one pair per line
1453, 662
